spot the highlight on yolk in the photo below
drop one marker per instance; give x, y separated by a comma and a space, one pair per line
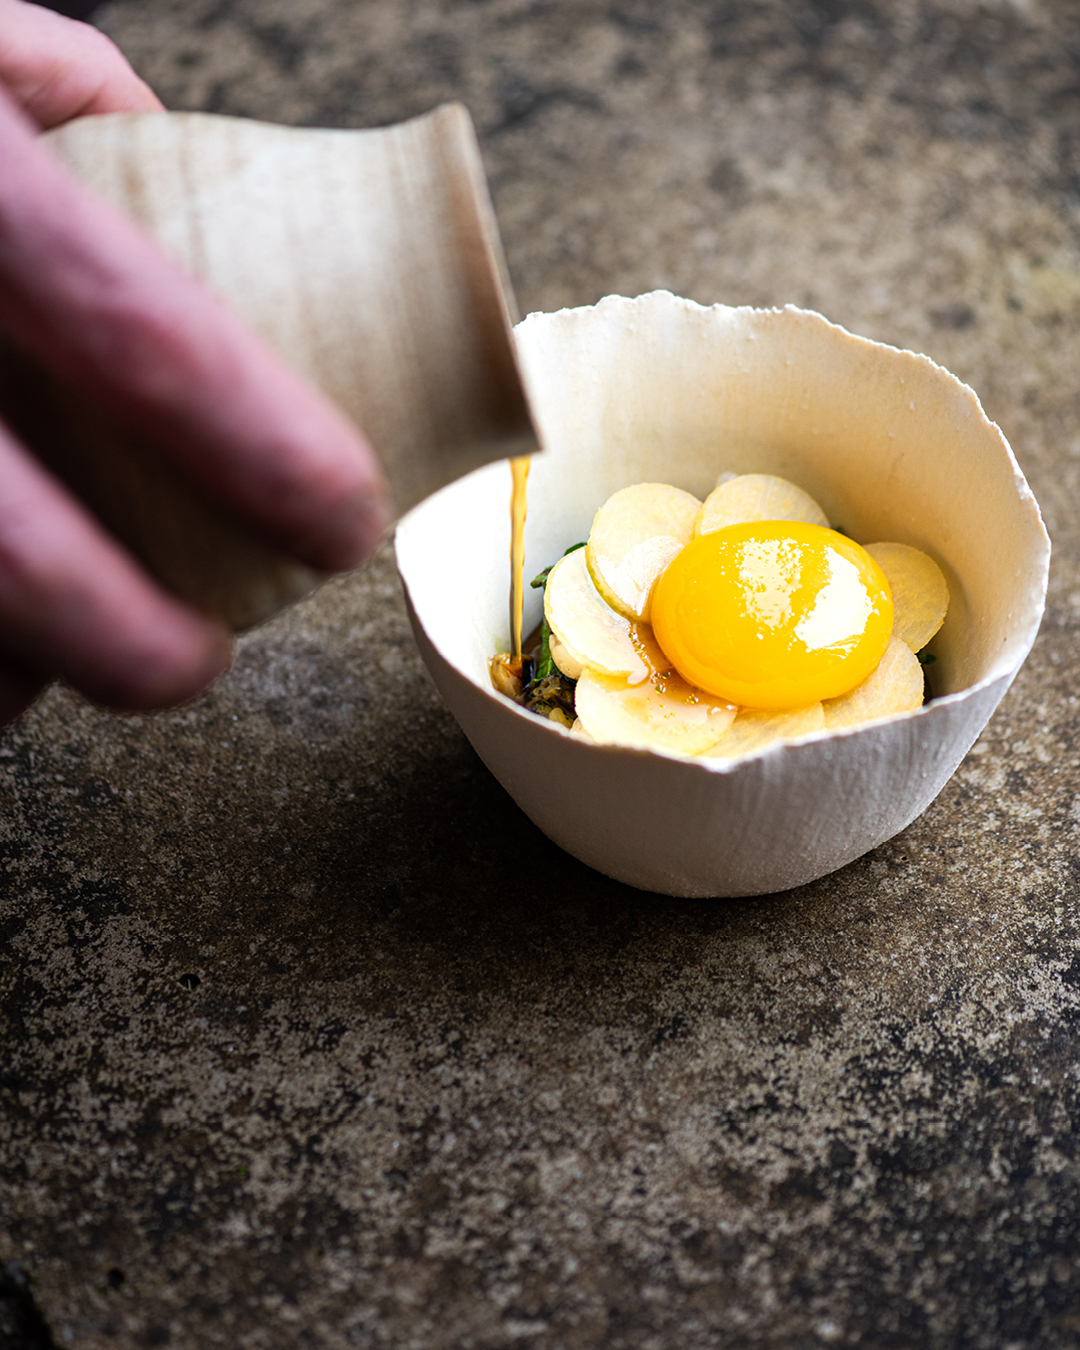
773, 614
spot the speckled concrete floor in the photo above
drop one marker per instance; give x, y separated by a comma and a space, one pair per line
311, 1039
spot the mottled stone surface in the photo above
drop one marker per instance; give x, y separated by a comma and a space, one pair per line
311, 1039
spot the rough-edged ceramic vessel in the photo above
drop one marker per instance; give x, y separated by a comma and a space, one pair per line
661, 389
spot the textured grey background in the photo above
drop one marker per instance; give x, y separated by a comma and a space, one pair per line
310, 1039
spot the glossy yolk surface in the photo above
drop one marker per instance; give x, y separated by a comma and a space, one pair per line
773, 614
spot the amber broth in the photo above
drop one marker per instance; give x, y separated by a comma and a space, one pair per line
519, 469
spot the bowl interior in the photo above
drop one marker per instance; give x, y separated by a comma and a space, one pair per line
664, 390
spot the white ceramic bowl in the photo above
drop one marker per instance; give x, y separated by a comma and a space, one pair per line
661, 389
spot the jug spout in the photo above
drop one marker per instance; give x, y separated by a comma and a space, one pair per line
369, 260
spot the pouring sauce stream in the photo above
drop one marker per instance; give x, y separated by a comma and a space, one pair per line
519, 469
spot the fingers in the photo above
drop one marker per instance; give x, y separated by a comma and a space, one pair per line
73, 605
58, 68
103, 308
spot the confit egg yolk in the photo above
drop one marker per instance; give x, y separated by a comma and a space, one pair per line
773, 614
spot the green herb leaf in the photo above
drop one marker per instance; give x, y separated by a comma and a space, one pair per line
545, 666
925, 658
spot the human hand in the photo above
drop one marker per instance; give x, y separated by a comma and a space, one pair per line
95, 301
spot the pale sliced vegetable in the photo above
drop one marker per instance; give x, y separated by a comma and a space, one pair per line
565, 658
895, 687
752, 731
919, 591
590, 632
664, 712
756, 496
634, 536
